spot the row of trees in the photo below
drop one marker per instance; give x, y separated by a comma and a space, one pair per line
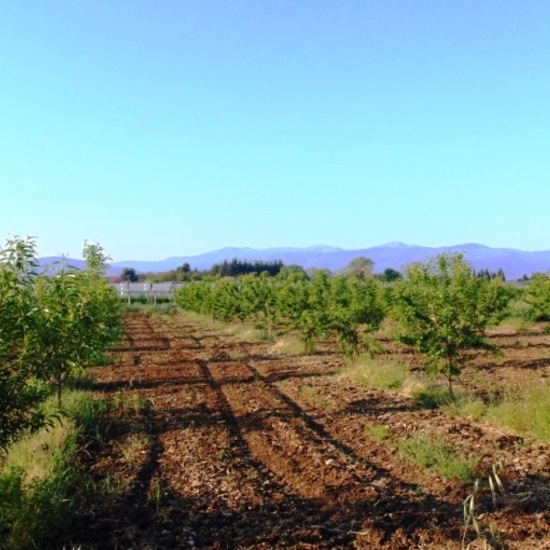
442, 306
50, 326
314, 307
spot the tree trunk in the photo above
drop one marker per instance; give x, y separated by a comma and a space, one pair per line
59, 382
450, 376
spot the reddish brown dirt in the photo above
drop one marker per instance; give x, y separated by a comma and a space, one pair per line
245, 448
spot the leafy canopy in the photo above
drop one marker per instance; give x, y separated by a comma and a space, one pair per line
537, 295
21, 389
49, 326
444, 309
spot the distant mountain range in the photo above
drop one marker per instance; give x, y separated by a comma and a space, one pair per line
514, 263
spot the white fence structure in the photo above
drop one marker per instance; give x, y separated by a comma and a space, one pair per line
149, 292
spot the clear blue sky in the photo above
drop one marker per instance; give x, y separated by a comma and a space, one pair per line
175, 127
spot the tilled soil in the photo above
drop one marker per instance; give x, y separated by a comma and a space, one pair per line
245, 448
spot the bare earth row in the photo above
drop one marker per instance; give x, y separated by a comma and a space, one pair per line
251, 449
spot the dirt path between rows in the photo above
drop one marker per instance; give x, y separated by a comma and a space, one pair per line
247, 448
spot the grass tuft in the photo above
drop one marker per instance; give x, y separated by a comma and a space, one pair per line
527, 413
288, 345
467, 406
251, 334
432, 396
311, 394
435, 455
377, 432
45, 491
378, 373
523, 408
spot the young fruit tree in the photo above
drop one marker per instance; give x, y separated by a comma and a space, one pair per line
79, 320
357, 309
537, 295
304, 306
78, 317
22, 389
259, 295
444, 310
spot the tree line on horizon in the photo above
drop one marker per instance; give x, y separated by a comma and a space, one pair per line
236, 268
184, 273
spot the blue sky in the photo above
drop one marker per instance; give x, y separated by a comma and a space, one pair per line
177, 127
